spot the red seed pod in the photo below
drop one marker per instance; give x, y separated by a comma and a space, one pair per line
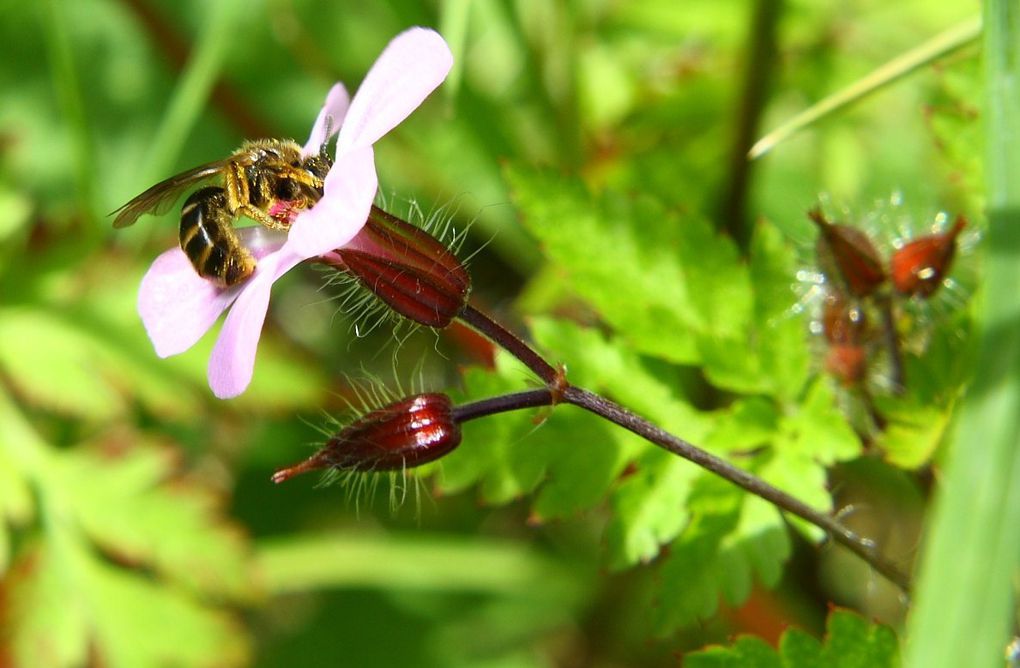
847, 362
845, 327
848, 253
408, 269
843, 322
408, 433
919, 267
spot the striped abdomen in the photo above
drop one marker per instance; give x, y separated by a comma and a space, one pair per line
209, 240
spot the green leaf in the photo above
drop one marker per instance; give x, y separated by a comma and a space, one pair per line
583, 458
23, 455
850, 642
811, 437
433, 563
817, 429
658, 279
744, 425
771, 355
648, 508
573, 456
37, 348
16, 505
126, 606
67, 605
745, 652
648, 504
123, 504
731, 538
605, 364
489, 454
912, 434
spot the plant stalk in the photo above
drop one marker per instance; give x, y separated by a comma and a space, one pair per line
560, 391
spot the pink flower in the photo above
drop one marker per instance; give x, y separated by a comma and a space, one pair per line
177, 306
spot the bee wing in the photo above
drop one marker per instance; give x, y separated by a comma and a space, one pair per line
159, 198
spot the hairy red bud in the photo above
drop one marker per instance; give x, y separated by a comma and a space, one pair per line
408, 269
848, 252
847, 362
843, 322
918, 267
845, 327
408, 433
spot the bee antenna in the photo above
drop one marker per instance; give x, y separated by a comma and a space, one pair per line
329, 133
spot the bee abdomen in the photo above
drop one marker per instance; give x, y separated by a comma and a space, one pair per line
209, 240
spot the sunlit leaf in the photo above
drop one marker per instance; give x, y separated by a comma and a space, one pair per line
428, 563
605, 364
913, 434
166, 559
67, 605
55, 365
731, 540
771, 355
123, 503
850, 642
659, 279
648, 508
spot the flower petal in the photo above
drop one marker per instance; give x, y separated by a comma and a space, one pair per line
261, 241
409, 68
177, 305
332, 114
233, 357
341, 213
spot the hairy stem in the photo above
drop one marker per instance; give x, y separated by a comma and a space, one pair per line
560, 391
892, 344
502, 404
510, 342
619, 415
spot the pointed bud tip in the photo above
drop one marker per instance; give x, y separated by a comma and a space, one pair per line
920, 265
411, 432
848, 255
313, 463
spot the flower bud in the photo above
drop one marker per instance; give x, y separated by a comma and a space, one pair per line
407, 433
918, 267
845, 326
847, 252
847, 362
843, 322
408, 269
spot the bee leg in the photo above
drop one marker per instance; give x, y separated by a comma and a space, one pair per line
208, 239
261, 217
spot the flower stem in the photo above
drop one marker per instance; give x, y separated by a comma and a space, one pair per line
562, 392
502, 404
510, 342
892, 344
619, 415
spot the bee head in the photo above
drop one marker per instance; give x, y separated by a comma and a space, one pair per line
318, 165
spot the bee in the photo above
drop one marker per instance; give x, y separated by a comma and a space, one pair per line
267, 180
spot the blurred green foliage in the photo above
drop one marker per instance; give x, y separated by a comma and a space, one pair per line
849, 642
591, 144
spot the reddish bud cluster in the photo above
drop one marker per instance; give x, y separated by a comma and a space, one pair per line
844, 325
407, 433
847, 252
408, 269
919, 267
856, 277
